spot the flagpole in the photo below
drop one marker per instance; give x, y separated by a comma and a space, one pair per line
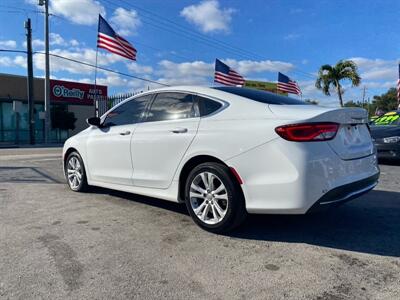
96, 101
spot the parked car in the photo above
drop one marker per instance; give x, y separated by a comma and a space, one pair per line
226, 152
385, 131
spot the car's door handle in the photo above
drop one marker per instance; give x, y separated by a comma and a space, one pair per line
125, 132
179, 130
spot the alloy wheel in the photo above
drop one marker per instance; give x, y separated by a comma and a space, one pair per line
74, 172
208, 198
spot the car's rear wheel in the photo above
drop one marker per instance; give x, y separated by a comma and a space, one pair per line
213, 198
75, 172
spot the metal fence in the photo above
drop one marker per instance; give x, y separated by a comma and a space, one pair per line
104, 105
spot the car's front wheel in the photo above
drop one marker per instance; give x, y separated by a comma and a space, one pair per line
213, 198
75, 172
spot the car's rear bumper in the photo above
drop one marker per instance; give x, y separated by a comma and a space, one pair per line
388, 150
344, 193
282, 177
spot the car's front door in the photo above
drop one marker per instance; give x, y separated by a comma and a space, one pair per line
160, 142
109, 147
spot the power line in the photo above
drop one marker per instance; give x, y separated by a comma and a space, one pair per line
189, 33
15, 8
188, 36
168, 25
160, 19
13, 51
87, 64
102, 68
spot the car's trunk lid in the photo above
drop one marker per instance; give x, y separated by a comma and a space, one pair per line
352, 140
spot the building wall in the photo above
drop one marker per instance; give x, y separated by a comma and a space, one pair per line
14, 88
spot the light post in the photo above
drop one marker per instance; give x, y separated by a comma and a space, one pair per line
47, 119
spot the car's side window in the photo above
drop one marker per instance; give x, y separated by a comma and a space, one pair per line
171, 106
207, 106
128, 113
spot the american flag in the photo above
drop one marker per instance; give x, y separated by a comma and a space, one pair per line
225, 75
286, 85
108, 39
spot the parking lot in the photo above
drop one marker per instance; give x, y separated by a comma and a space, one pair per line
56, 244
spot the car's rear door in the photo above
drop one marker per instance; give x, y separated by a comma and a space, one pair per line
160, 142
109, 147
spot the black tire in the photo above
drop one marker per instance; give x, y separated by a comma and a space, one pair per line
235, 210
83, 185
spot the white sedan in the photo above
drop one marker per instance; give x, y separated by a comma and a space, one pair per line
226, 152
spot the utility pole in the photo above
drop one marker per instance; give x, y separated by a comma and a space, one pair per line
363, 97
47, 120
30, 82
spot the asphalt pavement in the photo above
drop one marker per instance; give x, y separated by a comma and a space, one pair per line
57, 244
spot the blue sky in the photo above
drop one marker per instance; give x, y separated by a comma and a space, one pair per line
178, 41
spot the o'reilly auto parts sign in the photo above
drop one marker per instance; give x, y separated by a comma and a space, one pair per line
76, 92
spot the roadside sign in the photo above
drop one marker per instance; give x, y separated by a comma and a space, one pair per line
263, 85
76, 92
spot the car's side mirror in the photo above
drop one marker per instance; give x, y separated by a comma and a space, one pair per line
94, 121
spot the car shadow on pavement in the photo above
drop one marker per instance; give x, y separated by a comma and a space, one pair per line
159, 203
370, 224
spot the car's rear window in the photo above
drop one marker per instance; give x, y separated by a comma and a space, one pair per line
261, 96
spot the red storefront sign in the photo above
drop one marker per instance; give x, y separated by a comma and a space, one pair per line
76, 93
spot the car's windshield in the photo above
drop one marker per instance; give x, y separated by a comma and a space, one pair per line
390, 118
261, 96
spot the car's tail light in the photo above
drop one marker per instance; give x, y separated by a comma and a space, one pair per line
308, 132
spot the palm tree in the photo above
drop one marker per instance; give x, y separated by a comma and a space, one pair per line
332, 75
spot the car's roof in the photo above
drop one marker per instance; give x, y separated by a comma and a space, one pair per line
182, 88
232, 93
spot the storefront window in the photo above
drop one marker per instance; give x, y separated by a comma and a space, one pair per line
15, 130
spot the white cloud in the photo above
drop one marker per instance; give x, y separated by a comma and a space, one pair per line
113, 81
74, 43
209, 16
36, 43
186, 73
195, 68
376, 69
83, 55
9, 44
379, 84
83, 12
139, 69
246, 67
125, 21
55, 39
5, 61
200, 72
380, 73
20, 61
363, 62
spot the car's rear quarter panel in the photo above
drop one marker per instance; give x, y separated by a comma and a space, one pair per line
285, 177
